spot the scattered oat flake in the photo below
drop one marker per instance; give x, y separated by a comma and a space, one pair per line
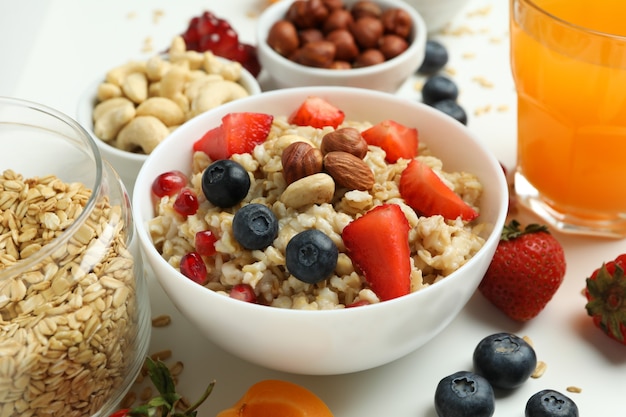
483, 82
483, 11
576, 390
161, 355
539, 370
131, 15
482, 110
528, 340
469, 55
502, 108
161, 321
157, 15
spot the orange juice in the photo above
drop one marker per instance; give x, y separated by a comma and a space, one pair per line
571, 85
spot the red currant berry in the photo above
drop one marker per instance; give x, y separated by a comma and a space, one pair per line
186, 203
205, 243
243, 292
168, 183
192, 266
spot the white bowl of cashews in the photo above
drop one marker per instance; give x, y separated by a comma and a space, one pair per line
134, 106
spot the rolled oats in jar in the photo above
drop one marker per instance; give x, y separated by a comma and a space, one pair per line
74, 312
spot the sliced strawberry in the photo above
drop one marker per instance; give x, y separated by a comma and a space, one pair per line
427, 194
238, 133
398, 141
378, 245
317, 112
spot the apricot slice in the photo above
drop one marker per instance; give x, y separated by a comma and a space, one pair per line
273, 397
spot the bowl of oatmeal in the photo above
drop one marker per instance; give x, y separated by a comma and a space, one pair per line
131, 108
375, 278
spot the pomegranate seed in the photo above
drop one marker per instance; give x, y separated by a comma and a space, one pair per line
168, 183
192, 266
220, 43
186, 203
358, 304
205, 243
243, 292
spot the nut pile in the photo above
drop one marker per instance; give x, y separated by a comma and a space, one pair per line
327, 34
67, 318
141, 102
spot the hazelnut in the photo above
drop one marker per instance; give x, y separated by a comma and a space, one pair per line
319, 54
366, 8
367, 31
333, 4
345, 47
300, 160
340, 65
307, 13
337, 19
392, 46
347, 139
283, 37
397, 21
310, 35
369, 57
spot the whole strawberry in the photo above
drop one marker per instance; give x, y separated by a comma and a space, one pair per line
606, 296
527, 269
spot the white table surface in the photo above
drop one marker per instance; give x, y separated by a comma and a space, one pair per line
50, 50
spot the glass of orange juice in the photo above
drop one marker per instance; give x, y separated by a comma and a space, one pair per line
568, 59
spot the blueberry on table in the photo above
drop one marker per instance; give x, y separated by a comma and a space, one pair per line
452, 109
506, 360
225, 183
464, 394
550, 403
255, 226
311, 256
437, 88
435, 58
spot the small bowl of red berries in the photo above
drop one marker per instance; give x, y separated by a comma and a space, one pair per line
320, 230
134, 106
369, 44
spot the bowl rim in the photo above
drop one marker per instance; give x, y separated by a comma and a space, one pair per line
490, 243
266, 19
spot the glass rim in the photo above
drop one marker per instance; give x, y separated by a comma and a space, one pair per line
572, 26
24, 265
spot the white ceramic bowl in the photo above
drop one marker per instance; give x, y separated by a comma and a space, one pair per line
127, 164
329, 341
387, 76
437, 14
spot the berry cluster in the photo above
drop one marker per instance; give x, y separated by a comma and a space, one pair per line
439, 91
503, 361
207, 32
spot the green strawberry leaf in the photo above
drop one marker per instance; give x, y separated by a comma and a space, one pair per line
512, 230
608, 300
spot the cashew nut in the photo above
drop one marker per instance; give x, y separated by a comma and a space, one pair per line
198, 84
110, 116
163, 109
174, 81
213, 65
220, 92
313, 189
135, 87
108, 91
143, 132
118, 74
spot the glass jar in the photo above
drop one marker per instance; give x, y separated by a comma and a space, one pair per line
74, 307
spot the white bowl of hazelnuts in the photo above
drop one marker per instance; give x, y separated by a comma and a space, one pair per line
374, 44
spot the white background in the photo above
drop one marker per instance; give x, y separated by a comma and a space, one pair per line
51, 50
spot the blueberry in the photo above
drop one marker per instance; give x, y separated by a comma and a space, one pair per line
255, 226
225, 183
550, 403
437, 88
452, 109
505, 359
464, 394
311, 256
435, 58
